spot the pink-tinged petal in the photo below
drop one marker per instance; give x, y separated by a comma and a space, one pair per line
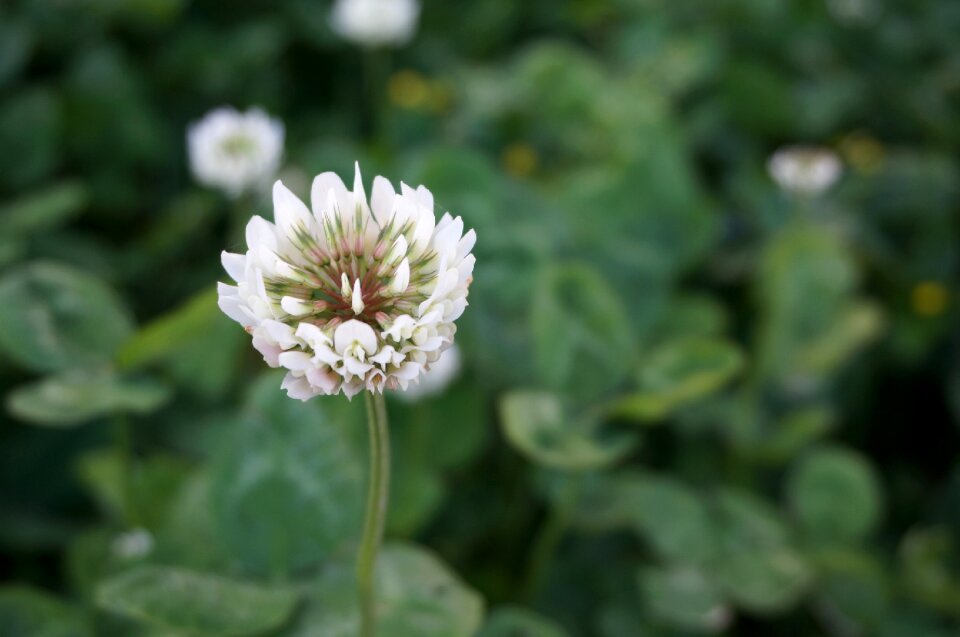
296, 361
297, 387
235, 265
269, 349
355, 331
352, 388
381, 200
325, 380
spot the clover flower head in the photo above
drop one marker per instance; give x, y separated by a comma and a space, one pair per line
804, 170
376, 23
233, 151
351, 294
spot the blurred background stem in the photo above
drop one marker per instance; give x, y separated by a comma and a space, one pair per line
124, 445
378, 493
548, 539
375, 69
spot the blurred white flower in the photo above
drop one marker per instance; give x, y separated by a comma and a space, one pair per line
350, 295
133, 544
436, 378
376, 23
804, 170
235, 151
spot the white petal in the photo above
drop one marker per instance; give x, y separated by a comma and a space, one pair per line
234, 264
280, 333
324, 185
381, 200
466, 245
312, 335
425, 197
296, 361
359, 194
295, 306
397, 251
356, 299
447, 239
401, 279
261, 232
355, 331
355, 367
288, 211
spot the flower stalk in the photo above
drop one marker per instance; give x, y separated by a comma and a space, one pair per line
378, 493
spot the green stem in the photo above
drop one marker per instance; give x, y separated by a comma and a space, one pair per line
378, 493
124, 444
548, 540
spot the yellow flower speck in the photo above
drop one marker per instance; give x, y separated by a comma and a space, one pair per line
929, 298
520, 160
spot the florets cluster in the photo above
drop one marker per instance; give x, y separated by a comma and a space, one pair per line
350, 295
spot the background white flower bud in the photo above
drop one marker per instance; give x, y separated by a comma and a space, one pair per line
375, 23
437, 378
235, 152
804, 170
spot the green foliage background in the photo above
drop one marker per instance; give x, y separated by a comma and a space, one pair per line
691, 403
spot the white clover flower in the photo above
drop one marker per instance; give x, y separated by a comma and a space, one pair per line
133, 544
436, 377
804, 170
351, 295
375, 23
235, 151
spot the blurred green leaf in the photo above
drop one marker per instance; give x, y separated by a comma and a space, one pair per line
835, 494
416, 492
195, 342
685, 598
77, 396
30, 131
25, 612
57, 317
510, 621
417, 596
928, 558
287, 490
195, 603
756, 567
43, 210
536, 425
853, 589
680, 372
156, 480
580, 330
16, 45
806, 262
796, 429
